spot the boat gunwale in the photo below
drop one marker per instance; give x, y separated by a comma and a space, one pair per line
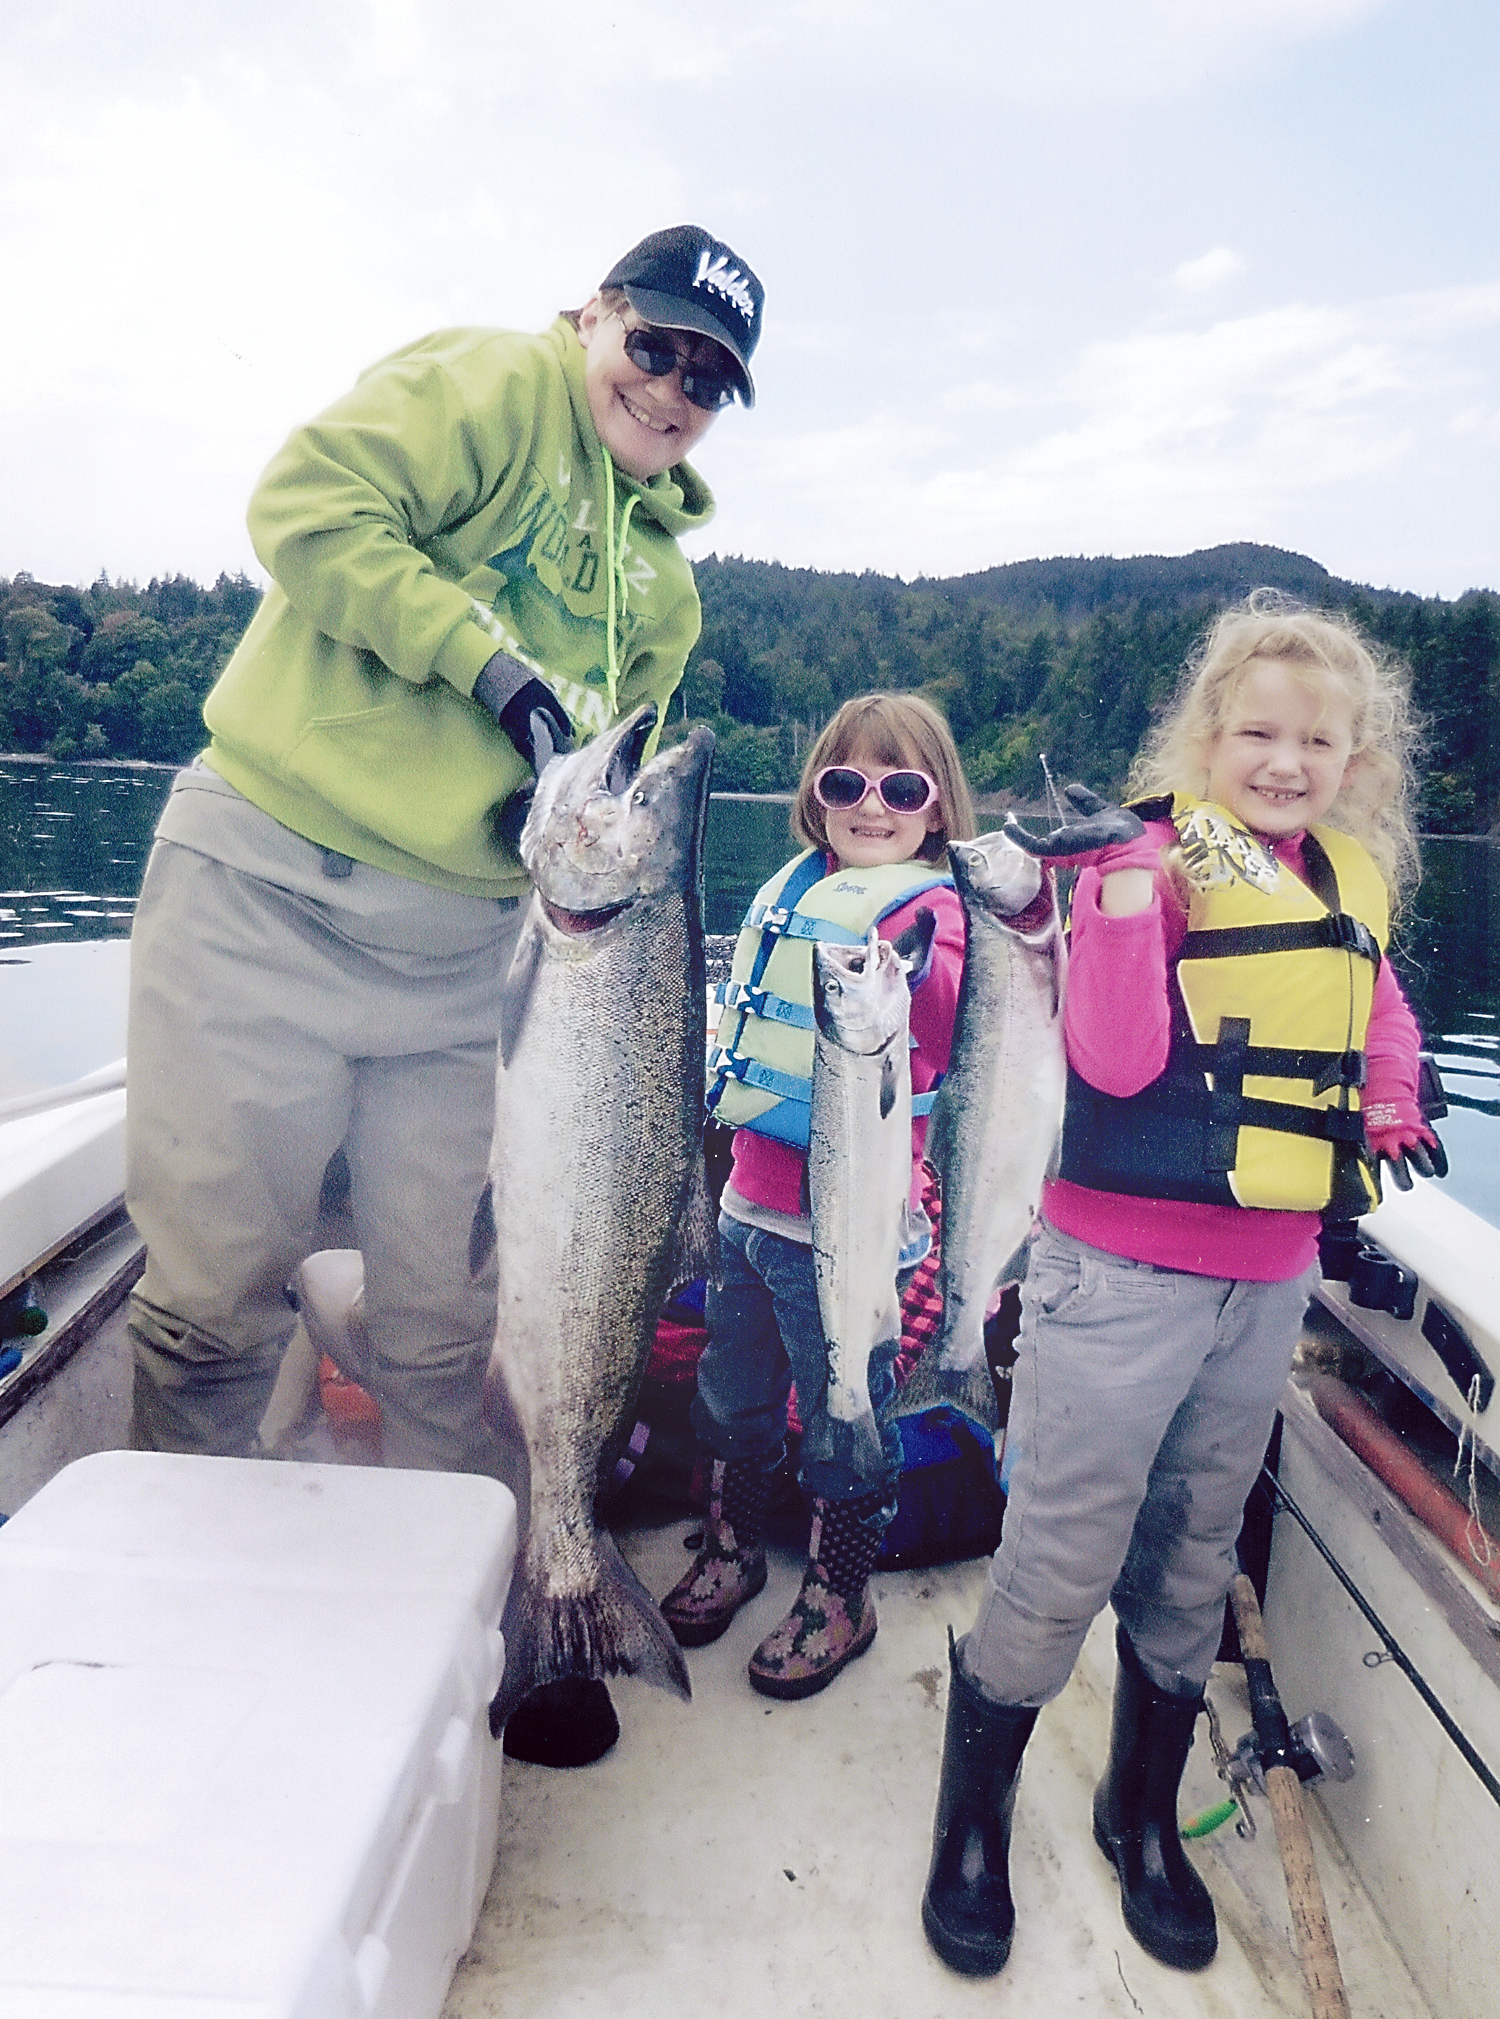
57, 1347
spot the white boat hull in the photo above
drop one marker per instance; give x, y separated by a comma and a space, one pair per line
1416, 1823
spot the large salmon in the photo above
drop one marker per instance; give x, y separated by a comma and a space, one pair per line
858, 1177
995, 1123
596, 1176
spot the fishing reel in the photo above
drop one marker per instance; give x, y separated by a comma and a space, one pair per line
1317, 1749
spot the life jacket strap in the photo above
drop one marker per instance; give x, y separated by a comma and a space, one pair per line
765, 1003
1231, 1109
1338, 929
778, 921
1281, 1062
1329, 1125
725, 1065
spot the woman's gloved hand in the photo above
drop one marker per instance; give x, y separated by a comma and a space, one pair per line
526, 709
535, 721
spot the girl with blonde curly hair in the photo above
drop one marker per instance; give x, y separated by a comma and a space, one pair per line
1240, 1060
1324, 653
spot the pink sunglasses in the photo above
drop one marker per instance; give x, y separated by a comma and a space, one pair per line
840, 787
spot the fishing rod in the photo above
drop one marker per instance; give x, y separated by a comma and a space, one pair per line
1393, 1650
1054, 799
1283, 1785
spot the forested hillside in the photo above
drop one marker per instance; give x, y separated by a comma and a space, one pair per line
113, 670
1064, 656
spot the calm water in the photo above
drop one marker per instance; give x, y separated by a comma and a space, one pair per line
74, 841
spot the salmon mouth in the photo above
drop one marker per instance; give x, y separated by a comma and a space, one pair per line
625, 762
579, 924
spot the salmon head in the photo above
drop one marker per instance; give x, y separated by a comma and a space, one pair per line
606, 829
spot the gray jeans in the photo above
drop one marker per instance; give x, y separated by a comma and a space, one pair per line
277, 1016
1141, 1406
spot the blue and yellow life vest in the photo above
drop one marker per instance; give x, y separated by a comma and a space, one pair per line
760, 1065
1259, 1101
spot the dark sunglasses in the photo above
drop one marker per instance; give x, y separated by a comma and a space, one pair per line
842, 786
654, 352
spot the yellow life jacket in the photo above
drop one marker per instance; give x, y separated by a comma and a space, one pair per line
760, 1065
1259, 1102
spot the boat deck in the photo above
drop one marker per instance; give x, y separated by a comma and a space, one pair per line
750, 1855
747, 1856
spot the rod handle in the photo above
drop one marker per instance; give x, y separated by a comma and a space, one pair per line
1315, 1946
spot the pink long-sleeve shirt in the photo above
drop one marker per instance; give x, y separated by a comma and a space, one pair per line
1117, 1023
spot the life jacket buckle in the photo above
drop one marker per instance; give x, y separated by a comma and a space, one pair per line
1353, 935
1342, 1125
740, 995
1344, 1069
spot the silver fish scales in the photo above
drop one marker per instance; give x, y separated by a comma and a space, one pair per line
994, 1127
859, 1176
596, 1181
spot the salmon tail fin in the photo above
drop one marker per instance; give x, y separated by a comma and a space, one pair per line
853, 1442
615, 1628
969, 1389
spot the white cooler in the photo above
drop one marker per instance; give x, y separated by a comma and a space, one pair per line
245, 1760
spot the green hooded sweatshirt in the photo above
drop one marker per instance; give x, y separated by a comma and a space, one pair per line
457, 503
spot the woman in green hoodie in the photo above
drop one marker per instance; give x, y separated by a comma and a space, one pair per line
474, 560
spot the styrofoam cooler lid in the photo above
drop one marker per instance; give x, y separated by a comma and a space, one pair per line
237, 1699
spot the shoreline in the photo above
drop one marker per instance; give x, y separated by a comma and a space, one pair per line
998, 803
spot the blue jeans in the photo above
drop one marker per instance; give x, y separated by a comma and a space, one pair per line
764, 1333
1141, 1406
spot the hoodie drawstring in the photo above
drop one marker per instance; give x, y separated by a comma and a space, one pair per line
614, 560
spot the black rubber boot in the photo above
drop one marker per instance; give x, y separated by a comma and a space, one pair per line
1166, 1904
967, 1909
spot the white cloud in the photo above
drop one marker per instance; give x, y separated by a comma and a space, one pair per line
1259, 427
1009, 50
1212, 270
1008, 307
1481, 424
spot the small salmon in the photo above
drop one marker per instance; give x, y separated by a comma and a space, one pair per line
995, 1124
859, 1174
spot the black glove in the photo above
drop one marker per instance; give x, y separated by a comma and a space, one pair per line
526, 709
1430, 1160
1098, 826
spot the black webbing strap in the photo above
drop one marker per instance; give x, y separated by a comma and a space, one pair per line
1339, 929
1280, 1062
1231, 1109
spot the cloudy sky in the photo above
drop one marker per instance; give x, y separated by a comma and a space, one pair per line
1043, 276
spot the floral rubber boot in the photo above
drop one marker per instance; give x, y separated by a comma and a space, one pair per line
832, 1620
730, 1566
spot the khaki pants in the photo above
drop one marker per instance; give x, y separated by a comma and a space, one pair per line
1141, 1406
276, 1017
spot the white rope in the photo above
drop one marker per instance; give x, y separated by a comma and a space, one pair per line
1481, 1543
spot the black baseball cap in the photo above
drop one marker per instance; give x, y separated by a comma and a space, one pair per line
685, 278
